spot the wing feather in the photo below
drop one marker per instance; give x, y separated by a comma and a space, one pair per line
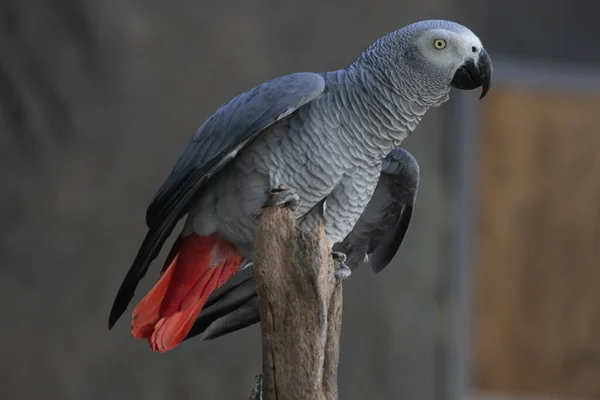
232, 127
381, 228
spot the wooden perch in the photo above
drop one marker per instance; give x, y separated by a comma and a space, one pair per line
300, 309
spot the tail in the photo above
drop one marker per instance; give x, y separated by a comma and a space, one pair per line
195, 267
232, 307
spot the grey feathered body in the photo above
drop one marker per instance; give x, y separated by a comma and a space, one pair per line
330, 149
332, 138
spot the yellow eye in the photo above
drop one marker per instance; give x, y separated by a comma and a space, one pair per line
439, 43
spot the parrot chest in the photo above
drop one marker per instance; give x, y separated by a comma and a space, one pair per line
322, 156
333, 185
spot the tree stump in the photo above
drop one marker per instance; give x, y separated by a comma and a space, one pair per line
300, 309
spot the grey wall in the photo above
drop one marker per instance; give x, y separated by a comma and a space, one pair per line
97, 100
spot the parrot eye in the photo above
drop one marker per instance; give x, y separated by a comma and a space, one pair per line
439, 44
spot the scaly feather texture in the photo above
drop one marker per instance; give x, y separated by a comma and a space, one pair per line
323, 135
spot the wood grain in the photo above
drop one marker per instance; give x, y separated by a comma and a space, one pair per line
301, 309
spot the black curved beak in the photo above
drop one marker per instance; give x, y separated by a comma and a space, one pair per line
471, 76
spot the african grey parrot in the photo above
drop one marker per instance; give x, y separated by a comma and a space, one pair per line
332, 139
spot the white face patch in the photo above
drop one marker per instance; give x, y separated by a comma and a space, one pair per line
449, 49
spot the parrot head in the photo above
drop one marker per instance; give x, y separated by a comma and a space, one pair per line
429, 57
452, 52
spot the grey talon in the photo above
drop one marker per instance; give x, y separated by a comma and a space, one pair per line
278, 189
339, 256
343, 271
282, 197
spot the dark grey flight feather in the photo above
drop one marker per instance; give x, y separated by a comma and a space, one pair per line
231, 307
383, 224
232, 127
378, 233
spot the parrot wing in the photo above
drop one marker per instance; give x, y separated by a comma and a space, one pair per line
378, 233
381, 228
232, 127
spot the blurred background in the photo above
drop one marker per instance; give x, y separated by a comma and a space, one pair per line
492, 296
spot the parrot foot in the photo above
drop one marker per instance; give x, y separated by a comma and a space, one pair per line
344, 271
282, 197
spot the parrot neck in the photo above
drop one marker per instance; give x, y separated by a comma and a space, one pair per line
409, 88
379, 116
408, 84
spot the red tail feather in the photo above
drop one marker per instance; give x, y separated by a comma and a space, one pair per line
195, 267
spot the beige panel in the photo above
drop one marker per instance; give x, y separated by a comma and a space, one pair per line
537, 269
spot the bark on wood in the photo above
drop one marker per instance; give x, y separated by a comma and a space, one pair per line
300, 309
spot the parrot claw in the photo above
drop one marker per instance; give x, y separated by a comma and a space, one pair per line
338, 256
344, 271
282, 197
